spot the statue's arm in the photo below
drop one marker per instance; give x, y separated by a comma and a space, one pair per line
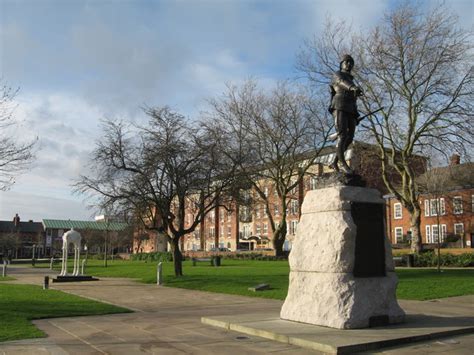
340, 81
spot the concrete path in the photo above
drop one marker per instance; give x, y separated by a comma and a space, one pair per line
168, 321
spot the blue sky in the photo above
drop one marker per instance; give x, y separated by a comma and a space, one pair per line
76, 62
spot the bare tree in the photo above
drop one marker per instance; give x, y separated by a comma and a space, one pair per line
418, 66
159, 171
273, 138
14, 155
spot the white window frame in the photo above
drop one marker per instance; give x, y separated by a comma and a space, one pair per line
434, 233
455, 210
229, 231
276, 210
257, 211
293, 227
427, 208
258, 229
294, 206
442, 206
265, 228
428, 233
444, 232
397, 207
313, 182
398, 233
462, 229
433, 207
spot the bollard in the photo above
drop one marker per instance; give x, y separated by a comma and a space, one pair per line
83, 265
46, 283
159, 274
4, 271
51, 264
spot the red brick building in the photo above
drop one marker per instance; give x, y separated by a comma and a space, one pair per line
446, 208
248, 227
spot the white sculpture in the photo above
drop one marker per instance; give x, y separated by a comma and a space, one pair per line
73, 237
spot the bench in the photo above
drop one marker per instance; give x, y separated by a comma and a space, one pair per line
404, 260
198, 260
398, 260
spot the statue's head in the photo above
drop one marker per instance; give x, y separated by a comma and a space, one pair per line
346, 63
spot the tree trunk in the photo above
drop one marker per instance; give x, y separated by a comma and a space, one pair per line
177, 257
279, 238
416, 241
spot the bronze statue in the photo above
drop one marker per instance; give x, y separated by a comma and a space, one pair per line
343, 107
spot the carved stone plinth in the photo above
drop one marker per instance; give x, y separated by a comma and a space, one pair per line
341, 267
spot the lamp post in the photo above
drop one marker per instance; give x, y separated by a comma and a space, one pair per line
104, 218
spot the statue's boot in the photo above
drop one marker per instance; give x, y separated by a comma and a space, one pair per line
334, 166
347, 170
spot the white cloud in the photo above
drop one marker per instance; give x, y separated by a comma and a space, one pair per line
36, 207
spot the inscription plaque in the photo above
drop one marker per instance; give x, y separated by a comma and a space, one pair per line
370, 243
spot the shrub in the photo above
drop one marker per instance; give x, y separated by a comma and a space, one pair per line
254, 256
152, 257
430, 259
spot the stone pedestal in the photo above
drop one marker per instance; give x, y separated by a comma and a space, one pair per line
341, 267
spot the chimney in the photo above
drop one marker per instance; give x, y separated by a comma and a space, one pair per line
16, 220
455, 159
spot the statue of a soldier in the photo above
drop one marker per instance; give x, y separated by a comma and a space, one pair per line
343, 107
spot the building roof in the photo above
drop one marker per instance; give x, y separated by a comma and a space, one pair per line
23, 227
447, 178
91, 225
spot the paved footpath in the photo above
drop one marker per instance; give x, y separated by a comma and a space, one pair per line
168, 321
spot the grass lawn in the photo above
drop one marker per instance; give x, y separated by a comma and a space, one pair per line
236, 276
19, 304
6, 278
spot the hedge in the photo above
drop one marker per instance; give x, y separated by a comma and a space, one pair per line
158, 256
430, 259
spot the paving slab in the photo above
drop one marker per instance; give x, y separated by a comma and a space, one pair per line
168, 321
417, 327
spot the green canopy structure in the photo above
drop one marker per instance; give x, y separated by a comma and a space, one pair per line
89, 225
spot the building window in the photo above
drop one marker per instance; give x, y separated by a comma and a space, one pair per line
257, 211
293, 227
294, 207
442, 206
221, 232
434, 233
294, 190
472, 203
398, 234
459, 229
212, 232
443, 232
277, 210
313, 182
265, 191
457, 205
229, 231
427, 208
221, 217
428, 234
265, 228
258, 229
434, 207
229, 216
397, 210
